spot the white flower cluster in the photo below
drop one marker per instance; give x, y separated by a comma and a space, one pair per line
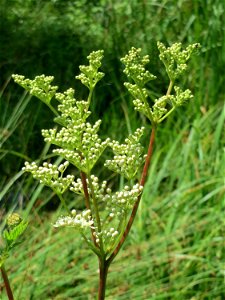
77, 187
80, 221
80, 144
116, 203
108, 236
89, 74
174, 58
101, 191
128, 157
103, 195
51, 175
116, 206
39, 87
126, 198
135, 67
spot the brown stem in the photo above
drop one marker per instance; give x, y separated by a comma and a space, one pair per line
7, 284
86, 195
103, 271
87, 201
135, 208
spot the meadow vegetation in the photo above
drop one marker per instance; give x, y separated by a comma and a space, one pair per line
176, 247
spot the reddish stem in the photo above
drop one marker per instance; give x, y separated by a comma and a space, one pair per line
86, 195
7, 284
103, 271
135, 208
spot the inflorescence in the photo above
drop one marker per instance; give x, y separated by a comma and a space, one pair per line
78, 142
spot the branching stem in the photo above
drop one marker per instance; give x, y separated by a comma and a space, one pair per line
105, 263
170, 88
87, 201
63, 201
96, 212
135, 208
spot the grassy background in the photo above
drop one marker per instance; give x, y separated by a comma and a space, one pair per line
176, 247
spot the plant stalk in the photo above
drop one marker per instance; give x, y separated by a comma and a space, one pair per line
135, 208
103, 271
7, 284
87, 201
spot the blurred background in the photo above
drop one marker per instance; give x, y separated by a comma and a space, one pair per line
176, 248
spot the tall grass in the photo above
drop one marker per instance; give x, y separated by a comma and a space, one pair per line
176, 247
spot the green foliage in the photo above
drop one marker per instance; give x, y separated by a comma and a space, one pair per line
175, 249
57, 32
108, 215
15, 227
60, 34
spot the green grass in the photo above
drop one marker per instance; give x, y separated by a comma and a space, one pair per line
176, 247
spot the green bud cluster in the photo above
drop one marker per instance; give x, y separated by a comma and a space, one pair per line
89, 74
100, 189
135, 70
40, 87
13, 220
181, 97
135, 67
128, 157
71, 110
125, 198
78, 142
174, 58
104, 194
15, 227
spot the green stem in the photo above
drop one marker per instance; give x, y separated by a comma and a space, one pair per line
52, 109
166, 115
90, 96
96, 211
147, 106
93, 248
121, 228
63, 202
169, 90
87, 201
7, 284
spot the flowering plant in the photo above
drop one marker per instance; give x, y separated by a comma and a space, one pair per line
109, 215
14, 228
